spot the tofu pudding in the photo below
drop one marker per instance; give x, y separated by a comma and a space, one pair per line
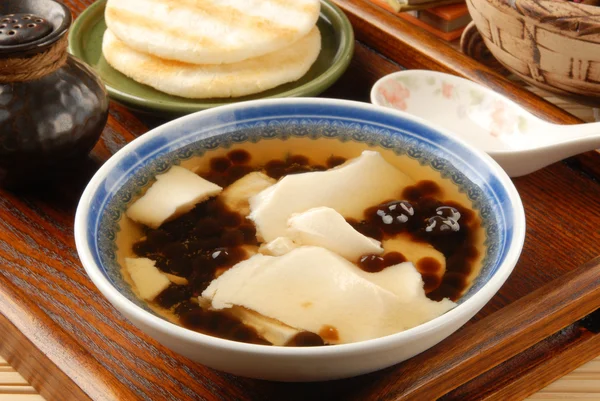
299, 251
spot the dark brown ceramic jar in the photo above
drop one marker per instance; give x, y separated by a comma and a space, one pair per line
53, 108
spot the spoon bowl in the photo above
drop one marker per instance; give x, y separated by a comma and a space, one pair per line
519, 141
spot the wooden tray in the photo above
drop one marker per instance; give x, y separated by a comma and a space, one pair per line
70, 344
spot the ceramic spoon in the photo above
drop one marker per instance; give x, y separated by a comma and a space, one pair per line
520, 142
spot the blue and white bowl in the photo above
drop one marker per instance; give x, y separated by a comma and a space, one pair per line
244, 124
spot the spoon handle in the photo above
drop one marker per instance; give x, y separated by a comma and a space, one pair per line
563, 141
579, 138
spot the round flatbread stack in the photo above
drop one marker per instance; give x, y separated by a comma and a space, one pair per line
212, 48
210, 31
214, 80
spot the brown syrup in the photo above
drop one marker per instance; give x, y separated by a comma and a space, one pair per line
305, 339
334, 161
239, 156
205, 242
376, 263
219, 324
429, 269
329, 333
416, 214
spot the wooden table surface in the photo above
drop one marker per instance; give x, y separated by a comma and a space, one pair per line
74, 328
583, 383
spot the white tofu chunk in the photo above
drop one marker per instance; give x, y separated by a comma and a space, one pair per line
236, 195
173, 194
278, 247
148, 280
402, 280
271, 330
405, 282
349, 189
324, 227
176, 279
313, 289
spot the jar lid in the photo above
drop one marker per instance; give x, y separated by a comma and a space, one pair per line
31, 26
18, 29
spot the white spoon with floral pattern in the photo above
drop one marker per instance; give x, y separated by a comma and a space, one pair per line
520, 142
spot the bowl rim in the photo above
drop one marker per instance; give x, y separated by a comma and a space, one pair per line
160, 325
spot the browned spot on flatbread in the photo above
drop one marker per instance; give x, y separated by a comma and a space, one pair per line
230, 16
222, 78
230, 72
153, 63
128, 18
306, 304
329, 333
226, 72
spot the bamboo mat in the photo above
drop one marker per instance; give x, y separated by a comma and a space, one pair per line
13, 387
581, 384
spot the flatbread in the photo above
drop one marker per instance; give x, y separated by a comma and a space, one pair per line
211, 80
210, 31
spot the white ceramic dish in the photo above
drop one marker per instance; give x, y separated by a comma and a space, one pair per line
119, 179
519, 141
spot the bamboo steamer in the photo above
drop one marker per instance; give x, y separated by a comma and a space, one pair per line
554, 45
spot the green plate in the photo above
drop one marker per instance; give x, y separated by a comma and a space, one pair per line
85, 42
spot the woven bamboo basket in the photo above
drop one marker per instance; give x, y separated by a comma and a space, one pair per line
551, 44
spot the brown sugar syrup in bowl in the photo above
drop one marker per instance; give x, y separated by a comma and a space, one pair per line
209, 239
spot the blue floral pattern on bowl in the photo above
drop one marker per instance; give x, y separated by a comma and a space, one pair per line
194, 135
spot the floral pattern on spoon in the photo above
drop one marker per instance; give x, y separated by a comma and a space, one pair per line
519, 141
494, 117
